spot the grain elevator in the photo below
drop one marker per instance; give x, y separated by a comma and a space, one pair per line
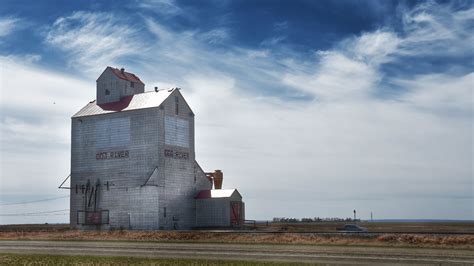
133, 163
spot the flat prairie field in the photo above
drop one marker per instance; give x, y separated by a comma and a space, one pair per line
38, 259
25, 252
263, 244
377, 227
329, 227
454, 235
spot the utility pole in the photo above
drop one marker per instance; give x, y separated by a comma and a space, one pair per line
371, 217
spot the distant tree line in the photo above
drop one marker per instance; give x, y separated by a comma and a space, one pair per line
312, 220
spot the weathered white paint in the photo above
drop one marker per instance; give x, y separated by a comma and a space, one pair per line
111, 133
176, 131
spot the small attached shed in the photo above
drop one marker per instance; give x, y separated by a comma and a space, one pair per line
219, 208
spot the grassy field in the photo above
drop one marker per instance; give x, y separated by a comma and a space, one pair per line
34, 228
16, 259
386, 227
186, 253
290, 235
393, 240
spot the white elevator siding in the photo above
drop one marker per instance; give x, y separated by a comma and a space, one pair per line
139, 129
112, 133
176, 132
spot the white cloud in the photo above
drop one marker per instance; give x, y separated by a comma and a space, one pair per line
433, 29
27, 59
353, 68
179, 54
328, 151
273, 41
36, 105
336, 77
441, 92
95, 40
215, 36
7, 25
164, 7
375, 48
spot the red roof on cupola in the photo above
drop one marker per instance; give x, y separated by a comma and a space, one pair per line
125, 75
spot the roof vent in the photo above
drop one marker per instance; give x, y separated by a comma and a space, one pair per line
122, 70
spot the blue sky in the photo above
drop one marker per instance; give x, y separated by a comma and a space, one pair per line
311, 108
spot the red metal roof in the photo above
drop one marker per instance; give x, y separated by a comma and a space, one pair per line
117, 106
127, 103
125, 75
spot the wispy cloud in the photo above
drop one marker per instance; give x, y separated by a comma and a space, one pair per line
280, 26
27, 59
434, 29
441, 93
165, 7
374, 48
353, 68
337, 77
95, 39
215, 36
273, 41
8, 25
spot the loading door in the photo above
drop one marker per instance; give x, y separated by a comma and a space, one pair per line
236, 215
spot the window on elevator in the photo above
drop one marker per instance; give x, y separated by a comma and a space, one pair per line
176, 101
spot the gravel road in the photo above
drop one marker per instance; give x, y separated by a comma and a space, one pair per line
254, 252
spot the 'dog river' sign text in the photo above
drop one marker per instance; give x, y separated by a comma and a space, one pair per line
111, 155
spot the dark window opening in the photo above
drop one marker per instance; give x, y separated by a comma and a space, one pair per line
164, 212
132, 84
107, 92
176, 100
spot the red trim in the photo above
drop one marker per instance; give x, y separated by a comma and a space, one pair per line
125, 75
117, 106
203, 194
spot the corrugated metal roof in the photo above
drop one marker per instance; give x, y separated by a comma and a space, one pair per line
215, 193
125, 75
132, 102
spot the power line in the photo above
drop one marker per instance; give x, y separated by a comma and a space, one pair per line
48, 214
36, 213
33, 201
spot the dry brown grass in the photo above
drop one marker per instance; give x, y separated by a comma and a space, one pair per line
429, 240
383, 227
413, 240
